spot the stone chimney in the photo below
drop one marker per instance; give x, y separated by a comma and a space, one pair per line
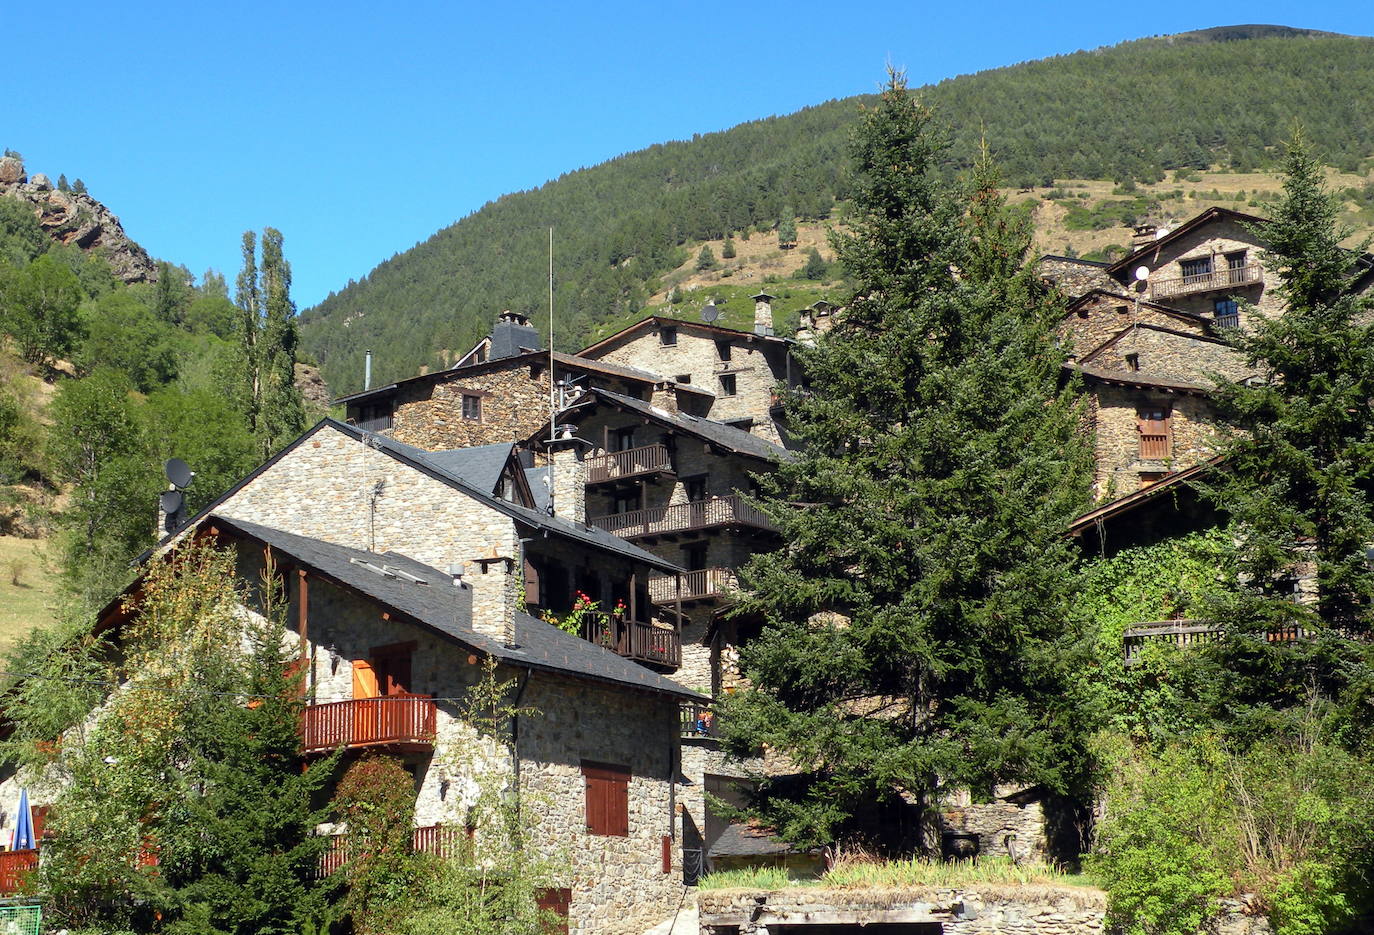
763, 313
664, 396
512, 334
1143, 236
816, 320
495, 591
569, 470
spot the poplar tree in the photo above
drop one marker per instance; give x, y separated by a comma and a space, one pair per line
915, 627
1298, 478
272, 403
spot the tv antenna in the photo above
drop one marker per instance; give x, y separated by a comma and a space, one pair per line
172, 502
709, 312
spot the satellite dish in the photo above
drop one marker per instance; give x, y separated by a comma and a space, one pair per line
178, 473
170, 501
709, 312
1142, 273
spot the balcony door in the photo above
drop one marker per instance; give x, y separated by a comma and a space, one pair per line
384, 674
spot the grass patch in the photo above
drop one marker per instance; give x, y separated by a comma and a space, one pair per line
864, 872
31, 602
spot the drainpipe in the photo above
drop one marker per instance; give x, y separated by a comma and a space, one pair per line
515, 743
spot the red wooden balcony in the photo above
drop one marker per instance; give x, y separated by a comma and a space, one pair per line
702, 585
15, 867
400, 723
1211, 281
684, 517
634, 639
633, 462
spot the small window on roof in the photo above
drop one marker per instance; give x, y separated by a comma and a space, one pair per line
667, 337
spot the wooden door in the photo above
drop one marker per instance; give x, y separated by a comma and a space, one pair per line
1156, 437
365, 723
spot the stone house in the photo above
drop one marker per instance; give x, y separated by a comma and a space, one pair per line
500, 391
407, 568
740, 368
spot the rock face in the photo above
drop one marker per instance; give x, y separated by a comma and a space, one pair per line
77, 219
312, 385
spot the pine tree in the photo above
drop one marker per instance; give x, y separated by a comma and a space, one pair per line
727, 252
915, 633
787, 231
706, 259
1298, 480
62, 184
79, 187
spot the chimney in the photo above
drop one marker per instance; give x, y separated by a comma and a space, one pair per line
816, 320
763, 314
569, 488
513, 335
664, 396
494, 595
1143, 236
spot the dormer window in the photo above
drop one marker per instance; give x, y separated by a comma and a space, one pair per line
667, 337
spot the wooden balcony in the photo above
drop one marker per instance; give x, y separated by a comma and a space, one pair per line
634, 639
698, 722
399, 723
633, 462
684, 517
15, 867
436, 840
703, 585
1186, 633
1219, 279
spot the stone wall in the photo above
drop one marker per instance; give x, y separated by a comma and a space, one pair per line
1117, 446
1098, 318
618, 883
1005, 828
335, 488
757, 365
1169, 355
1073, 278
1213, 240
515, 403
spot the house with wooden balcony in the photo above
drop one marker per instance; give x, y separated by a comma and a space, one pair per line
403, 579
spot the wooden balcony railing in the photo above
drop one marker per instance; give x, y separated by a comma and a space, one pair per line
633, 639
438, 840
633, 462
1227, 278
684, 517
402, 722
1154, 447
15, 867
692, 586
698, 721
1193, 633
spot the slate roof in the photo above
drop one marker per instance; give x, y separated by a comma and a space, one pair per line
1136, 497
656, 321
480, 466
716, 433
420, 459
1140, 380
447, 610
535, 477
740, 840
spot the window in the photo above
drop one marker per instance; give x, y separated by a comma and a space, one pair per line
1156, 438
1149, 478
683, 378
1226, 313
1133, 360
1122, 309
727, 384
1196, 270
1235, 266
608, 798
723, 351
695, 488
623, 439
667, 337
472, 407
374, 417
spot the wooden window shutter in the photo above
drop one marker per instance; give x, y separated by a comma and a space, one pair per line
1156, 436
364, 679
555, 902
608, 799
532, 595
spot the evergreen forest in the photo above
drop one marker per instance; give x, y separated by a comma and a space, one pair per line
1128, 113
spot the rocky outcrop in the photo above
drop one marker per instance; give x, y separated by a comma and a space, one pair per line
312, 386
77, 219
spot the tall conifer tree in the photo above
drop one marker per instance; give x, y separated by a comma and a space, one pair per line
1298, 479
271, 401
915, 627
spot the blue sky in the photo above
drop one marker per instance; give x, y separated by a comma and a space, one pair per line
359, 129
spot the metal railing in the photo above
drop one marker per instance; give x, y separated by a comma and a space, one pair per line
389, 720
681, 517
15, 867
1205, 282
692, 585
633, 639
632, 462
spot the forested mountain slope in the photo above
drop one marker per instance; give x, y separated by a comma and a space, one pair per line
1224, 97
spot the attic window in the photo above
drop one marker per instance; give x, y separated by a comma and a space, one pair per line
723, 350
1122, 309
683, 378
1133, 360
667, 337
727, 384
